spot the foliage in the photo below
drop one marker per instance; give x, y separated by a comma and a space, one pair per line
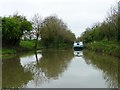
108, 30
111, 48
12, 29
55, 32
104, 37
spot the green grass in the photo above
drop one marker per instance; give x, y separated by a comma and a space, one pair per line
105, 47
28, 44
24, 45
7, 52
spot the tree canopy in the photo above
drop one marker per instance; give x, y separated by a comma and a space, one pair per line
108, 30
12, 29
55, 33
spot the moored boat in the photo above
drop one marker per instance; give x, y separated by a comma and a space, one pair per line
78, 46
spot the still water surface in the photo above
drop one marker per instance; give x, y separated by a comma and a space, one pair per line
60, 69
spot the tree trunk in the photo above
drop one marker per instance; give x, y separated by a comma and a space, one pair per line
36, 41
36, 57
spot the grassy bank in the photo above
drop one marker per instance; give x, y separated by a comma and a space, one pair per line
60, 46
13, 50
28, 45
25, 46
104, 47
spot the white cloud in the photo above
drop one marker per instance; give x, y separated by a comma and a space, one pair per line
78, 14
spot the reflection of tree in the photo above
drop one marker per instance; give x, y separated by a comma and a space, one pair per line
38, 75
54, 63
50, 66
119, 74
13, 74
108, 65
36, 57
0, 72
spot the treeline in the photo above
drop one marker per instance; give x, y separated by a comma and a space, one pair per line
108, 30
104, 37
13, 28
53, 32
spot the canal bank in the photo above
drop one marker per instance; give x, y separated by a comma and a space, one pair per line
28, 46
11, 51
104, 47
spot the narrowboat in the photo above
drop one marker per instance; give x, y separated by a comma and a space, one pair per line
78, 46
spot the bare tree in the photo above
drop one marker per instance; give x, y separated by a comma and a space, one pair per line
37, 21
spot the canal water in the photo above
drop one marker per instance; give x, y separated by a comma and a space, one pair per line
60, 69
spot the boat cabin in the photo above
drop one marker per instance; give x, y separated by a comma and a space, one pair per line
78, 45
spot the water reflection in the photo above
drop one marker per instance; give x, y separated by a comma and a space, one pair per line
53, 63
50, 67
119, 74
34, 69
108, 65
0, 72
31, 59
68, 68
13, 74
78, 53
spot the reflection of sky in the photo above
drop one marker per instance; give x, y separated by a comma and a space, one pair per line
29, 59
84, 75
78, 75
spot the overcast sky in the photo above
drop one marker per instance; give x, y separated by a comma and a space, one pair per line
78, 14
